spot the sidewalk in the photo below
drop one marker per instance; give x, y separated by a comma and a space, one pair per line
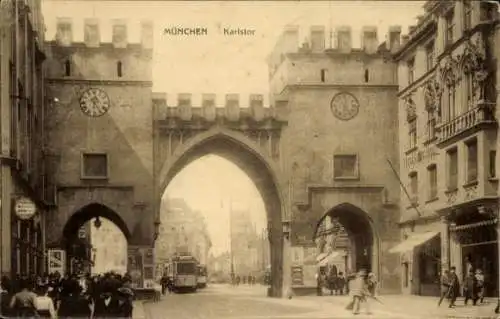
138, 312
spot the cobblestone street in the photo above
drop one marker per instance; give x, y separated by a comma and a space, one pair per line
250, 302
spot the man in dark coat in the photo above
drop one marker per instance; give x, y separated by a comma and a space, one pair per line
470, 288
454, 291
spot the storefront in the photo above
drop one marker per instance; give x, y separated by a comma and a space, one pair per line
420, 262
474, 246
28, 253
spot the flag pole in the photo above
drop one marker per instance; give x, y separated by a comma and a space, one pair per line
403, 187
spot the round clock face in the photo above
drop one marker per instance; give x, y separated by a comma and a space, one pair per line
345, 106
94, 102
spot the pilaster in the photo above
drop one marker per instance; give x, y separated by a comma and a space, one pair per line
445, 244
456, 253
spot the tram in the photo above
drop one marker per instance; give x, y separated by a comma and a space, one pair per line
202, 276
183, 271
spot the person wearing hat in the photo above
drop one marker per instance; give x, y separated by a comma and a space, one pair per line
358, 292
480, 285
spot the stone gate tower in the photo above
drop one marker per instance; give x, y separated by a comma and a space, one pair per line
99, 131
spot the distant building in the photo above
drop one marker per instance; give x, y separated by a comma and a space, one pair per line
182, 230
109, 247
244, 243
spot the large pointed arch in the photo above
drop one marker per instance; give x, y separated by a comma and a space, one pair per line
261, 169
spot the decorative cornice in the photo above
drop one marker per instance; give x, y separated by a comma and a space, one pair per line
298, 86
73, 81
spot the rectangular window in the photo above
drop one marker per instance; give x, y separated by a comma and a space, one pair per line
429, 55
414, 187
493, 169
432, 171
406, 275
345, 166
452, 169
412, 134
95, 166
472, 161
450, 27
467, 14
451, 102
323, 75
411, 70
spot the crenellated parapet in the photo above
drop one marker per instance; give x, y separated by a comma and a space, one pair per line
92, 33
209, 113
316, 41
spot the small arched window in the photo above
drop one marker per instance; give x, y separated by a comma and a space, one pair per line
119, 69
67, 68
367, 76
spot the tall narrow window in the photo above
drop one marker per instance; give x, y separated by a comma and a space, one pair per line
451, 102
429, 55
472, 161
412, 134
406, 275
469, 88
67, 68
450, 27
367, 76
411, 70
493, 169
432, 172
414, 187
452, 169
323, 75
431, 126
467, 14
119, 68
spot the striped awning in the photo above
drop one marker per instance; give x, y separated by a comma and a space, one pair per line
328, 258
413, 241
483, 223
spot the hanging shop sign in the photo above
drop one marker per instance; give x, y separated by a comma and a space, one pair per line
24, 208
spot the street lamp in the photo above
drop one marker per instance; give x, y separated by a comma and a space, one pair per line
97, 223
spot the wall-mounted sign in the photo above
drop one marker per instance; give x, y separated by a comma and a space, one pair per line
24, 208
297, 276
56, 261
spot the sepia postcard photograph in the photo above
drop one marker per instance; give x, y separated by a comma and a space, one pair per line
249, 159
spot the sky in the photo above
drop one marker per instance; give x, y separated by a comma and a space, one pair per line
220, 64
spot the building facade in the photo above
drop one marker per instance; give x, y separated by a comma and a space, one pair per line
338, 95
182, 230
245, 245
23, 193
99, 131
448, 75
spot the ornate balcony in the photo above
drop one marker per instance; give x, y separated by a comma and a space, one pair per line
475, 119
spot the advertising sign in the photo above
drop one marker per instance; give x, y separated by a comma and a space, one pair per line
24, 208
134, 267
57, 261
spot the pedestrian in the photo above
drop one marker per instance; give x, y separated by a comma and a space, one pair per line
44, 304
358, 292
6, 294
371, 287
445, 286
470, 288
340, 284
454, 291
480, 285
23, 303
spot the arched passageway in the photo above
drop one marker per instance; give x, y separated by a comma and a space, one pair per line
76, 238
243, 152
348, 230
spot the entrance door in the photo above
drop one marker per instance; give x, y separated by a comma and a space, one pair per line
483, 256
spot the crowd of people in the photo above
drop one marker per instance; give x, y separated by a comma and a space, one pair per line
473, 286
236, 280
71, 296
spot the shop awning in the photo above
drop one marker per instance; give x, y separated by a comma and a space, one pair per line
328, 258
321, 256
413, 241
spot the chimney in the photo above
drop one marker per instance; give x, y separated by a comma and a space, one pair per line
317, 38
208, 100
92, 36
290, 39
232, 107
119, 33
394, 41
344, 42
64, 34
184, 99
369, 40
147, 36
